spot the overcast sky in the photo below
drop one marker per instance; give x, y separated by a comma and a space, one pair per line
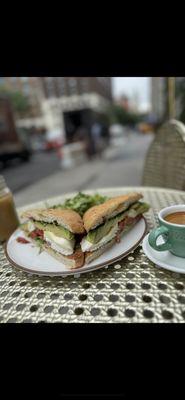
132, 87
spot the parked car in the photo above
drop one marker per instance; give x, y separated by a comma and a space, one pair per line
145, 127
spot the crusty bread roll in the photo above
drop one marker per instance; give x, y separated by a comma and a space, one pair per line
76, 260
69, 219
90, 256
97, 215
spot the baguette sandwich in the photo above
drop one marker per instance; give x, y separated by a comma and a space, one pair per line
107, 222
58, 231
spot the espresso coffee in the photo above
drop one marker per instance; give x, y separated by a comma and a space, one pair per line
172, 229
176, 218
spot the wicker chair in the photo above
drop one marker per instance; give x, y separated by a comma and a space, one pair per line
165, 160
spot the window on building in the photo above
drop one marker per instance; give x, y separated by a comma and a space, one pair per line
3, 124
50, 87
84, 85
26, 88
102, 80
61, 86
72, 85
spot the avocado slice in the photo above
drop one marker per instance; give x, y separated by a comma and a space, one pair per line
98, 233
24, 226
57, 230
142, 208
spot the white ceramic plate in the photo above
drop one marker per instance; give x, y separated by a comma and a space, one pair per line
27, 257
163, 259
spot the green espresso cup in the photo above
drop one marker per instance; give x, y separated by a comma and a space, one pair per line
173, 234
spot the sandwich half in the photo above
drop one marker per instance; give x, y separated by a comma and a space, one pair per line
58, 231
107, 222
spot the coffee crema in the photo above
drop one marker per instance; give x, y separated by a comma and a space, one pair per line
176, 218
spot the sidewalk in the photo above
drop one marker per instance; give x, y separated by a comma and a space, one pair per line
122, 169
61, 182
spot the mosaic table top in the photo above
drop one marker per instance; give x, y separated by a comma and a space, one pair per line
131, 290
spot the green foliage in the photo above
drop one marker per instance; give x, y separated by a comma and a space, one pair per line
117, 115
19, 102
82, 202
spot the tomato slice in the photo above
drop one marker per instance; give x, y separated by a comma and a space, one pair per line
126, 221
37, 233
118, 239
121, 224
21, 239
129, 220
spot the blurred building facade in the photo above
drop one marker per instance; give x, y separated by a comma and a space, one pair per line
50, 98
159, 93
29, 87
69, 86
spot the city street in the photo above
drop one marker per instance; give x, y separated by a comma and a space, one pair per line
20, 175
122, 167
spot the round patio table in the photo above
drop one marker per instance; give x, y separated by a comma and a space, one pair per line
131, 290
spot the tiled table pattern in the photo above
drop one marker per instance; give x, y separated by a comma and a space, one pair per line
132, 290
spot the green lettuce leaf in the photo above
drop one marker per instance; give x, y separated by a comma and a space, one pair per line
82, 202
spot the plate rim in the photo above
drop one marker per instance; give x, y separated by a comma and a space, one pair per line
151, 258
76, 271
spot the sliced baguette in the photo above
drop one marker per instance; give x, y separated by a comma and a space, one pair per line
90, 256
69, 219
97, 215
76, 260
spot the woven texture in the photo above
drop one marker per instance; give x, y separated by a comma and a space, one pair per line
165, 160
132, 290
